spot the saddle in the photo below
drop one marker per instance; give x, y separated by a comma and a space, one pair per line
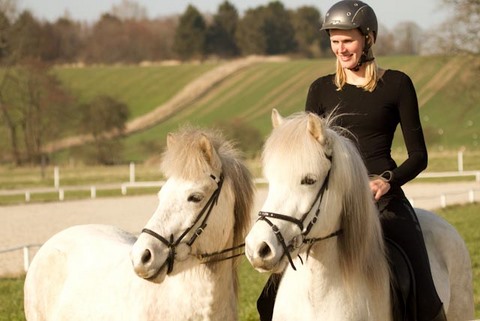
402, 283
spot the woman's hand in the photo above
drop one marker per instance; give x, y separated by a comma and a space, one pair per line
379, 187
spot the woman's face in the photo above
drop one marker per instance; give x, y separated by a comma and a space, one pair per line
347, 45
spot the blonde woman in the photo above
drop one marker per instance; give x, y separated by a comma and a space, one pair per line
370, 102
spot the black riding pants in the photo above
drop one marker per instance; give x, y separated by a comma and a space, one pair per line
400, 224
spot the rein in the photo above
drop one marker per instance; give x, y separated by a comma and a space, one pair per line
302, 238
172, 244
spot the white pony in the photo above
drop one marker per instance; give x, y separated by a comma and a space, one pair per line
98, 273
332, 236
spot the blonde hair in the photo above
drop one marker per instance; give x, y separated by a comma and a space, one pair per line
371, 72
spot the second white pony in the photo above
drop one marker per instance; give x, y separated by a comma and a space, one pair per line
102, 273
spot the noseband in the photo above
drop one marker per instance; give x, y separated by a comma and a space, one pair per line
302, 238
204, 213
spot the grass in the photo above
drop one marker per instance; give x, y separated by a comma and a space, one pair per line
141, 88
11, 299
464, 218
250, 95
446, 96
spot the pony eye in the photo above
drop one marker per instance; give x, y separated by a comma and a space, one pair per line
308, 180
195, 198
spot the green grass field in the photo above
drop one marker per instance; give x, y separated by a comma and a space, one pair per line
465, 218
445, 93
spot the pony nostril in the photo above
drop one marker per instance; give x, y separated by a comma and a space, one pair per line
146, 257
264, 250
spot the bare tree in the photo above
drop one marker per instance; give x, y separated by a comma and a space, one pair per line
34, 108
129, 10
9, 8
461, 32
104, 118
385, 44
408, 39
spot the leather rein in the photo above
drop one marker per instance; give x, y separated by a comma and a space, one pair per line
302, 238
201, 221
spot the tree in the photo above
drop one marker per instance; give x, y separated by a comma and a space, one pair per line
106, 41
266, 31
408, 39
250, 36
163, 34
9, 9
278, 28
4, 35
35, 109
67, 35
105, 118
306, 23
129, 10
385, 44
462, 27
220, 38
25, 37
190, 35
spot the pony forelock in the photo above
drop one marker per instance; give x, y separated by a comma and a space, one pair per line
184, 158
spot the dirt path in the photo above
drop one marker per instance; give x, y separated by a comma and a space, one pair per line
35, 223
191, 92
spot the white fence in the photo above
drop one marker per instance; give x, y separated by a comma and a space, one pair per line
26, 252
429, 202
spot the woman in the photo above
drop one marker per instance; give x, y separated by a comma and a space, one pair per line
370, 102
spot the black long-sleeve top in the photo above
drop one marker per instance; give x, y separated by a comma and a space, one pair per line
372, 118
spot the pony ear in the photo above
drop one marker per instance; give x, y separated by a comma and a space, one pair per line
317, 130
170, 140
209, 152
277, 119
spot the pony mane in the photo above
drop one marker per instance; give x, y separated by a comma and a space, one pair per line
361, 246
186, 159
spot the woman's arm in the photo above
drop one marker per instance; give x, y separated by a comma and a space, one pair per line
412, 133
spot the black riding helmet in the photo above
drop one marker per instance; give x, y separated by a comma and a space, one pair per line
353, 14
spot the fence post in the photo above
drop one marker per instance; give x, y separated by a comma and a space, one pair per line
443, 201
61, 194
93, 192
124, 189
56, 177
26, 258
27, 196
132, 172
471, 196
460, 161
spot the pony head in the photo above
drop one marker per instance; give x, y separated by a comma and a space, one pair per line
318, 194
204, 205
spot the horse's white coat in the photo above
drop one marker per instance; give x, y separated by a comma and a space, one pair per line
328, 286
95, 272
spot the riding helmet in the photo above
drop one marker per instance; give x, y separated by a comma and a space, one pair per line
351, 14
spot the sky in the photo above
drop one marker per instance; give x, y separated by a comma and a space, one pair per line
426, 13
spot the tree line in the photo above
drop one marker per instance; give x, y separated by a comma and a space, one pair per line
126, 35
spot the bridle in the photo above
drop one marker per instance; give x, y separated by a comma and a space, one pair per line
200, 224
302, 238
